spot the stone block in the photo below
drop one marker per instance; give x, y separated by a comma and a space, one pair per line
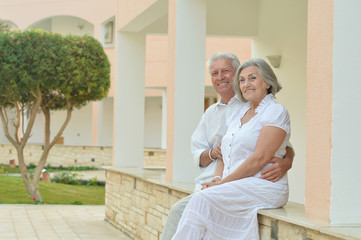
264, 220
264, 232
151, 230
155, 212
179, 194
154, 222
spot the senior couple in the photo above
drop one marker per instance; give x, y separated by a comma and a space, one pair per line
242, 146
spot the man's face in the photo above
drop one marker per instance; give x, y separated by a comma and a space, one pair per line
222, 73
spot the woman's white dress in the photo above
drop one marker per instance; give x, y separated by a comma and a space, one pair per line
229, 211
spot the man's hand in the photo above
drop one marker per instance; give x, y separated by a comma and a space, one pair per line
280, 166
216, 152
277, 170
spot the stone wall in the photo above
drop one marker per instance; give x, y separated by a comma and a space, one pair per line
138, 204
137, 207
274, 229
91, 156
61, 155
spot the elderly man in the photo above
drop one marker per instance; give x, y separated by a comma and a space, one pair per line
207, 137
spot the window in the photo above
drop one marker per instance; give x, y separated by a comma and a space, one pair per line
108, 32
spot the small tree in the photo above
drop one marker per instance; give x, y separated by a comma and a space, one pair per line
46, 71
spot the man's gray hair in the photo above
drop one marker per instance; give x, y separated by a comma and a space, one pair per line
266, 72
223, 55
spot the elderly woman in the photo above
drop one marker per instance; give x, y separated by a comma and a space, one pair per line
227, 208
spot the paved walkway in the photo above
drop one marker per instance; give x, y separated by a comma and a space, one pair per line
48, 222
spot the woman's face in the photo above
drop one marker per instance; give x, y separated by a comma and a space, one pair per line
252, 85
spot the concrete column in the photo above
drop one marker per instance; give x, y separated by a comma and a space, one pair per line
319, 109
333, 112
95, 123
129, 100
185, 87
164, 120
346, 114
100, 125
95, 105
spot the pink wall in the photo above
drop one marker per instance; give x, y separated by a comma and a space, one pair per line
156, 69
319, 109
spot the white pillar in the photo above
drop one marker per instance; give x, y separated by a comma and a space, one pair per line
129, 100
95, 123
100, 123
346, 112
185, 93
164, 119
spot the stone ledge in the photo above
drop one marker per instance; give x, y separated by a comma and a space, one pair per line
156, 176
147, 149
294, 214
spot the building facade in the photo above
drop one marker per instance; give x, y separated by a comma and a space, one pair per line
158, 50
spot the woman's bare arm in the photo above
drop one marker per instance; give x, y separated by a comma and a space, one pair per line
280, 166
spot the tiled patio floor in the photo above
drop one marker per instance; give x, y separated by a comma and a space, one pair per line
68, 222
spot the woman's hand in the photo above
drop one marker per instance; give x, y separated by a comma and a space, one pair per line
215, 181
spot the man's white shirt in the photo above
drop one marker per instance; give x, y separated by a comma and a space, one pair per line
209, 133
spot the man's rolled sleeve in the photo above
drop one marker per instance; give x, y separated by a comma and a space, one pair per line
199, 142
197, 157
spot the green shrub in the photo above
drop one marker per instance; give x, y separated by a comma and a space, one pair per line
36, 201
70, 168
32, 166
92, 181
67, 178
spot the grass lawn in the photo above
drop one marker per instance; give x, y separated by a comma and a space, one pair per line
12, 190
